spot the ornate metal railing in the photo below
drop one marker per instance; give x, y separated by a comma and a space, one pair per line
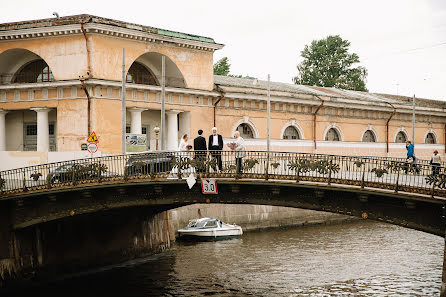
363, 172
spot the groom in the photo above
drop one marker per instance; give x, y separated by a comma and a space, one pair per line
215, 145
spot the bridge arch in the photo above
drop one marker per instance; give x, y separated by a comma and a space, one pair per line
149, 66
20, 65
294, 125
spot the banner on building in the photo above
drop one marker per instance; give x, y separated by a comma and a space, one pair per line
136, 142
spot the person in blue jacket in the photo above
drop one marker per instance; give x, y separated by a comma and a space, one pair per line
411, 156
410, 150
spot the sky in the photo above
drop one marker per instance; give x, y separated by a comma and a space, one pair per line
402, 43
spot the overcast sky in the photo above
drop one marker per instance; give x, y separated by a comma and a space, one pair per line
402, 43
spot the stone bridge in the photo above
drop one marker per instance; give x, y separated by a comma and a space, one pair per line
69, 216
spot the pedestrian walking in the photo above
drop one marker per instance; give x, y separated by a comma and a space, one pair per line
410, 157
200, 149
435, 162
215, 145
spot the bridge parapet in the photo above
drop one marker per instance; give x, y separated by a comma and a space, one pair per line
363, 172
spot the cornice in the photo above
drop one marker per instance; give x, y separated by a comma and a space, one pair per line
107, 30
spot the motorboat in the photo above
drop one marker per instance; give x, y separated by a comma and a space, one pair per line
211, 229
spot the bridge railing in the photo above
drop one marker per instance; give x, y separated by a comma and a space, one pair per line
364, 172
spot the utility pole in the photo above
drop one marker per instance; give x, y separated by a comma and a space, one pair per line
268, 116
163, 95
123, 117
413, 120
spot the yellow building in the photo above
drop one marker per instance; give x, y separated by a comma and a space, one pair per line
60, 79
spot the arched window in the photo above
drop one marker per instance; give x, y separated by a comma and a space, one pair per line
291, 133
245, 131
401, 137
369, 136
34, 72
430, 139
139, 74
332, 135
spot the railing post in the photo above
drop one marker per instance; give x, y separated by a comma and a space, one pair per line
329, 171
267, 166
363, 178
397, 181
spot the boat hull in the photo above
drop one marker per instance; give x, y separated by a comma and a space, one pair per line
206, 238
209, 235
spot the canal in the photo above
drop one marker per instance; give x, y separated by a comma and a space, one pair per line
353, 259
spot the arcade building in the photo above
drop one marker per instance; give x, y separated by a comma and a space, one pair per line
60, 80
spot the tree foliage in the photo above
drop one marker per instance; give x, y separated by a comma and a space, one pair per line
327, 63
222, 67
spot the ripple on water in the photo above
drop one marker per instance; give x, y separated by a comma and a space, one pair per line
355, 259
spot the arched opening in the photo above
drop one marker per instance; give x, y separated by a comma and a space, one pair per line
291, 133
147, 68
369, 136
140, 74
430, 138
332, 135
401, 137
23, 66
245, 131
34, 72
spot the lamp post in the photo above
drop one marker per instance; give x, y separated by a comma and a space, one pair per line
156, 130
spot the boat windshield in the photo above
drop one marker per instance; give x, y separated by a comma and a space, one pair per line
202, 224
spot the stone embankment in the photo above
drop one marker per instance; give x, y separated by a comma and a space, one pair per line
253, 217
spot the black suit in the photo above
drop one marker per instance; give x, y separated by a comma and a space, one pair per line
215, 149
200, 145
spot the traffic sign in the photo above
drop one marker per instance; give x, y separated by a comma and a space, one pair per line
209, 186
92, 147
84, 147
93, 138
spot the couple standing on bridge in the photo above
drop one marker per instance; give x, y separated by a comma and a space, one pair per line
435, 159
215, 146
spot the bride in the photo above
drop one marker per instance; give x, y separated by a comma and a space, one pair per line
184, 146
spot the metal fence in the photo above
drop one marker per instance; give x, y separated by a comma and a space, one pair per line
364, 172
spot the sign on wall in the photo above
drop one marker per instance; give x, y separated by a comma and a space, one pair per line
209, 186
92, 137
136, 142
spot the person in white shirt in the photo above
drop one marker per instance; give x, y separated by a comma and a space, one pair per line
239, 147
435, 162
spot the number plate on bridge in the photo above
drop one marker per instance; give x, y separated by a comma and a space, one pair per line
209, 186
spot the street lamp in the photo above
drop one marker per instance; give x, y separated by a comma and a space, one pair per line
156, 130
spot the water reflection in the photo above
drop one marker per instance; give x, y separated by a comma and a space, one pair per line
355, 259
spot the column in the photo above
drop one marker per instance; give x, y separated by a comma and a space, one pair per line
43, 135
172, 129
136, 120
3, 130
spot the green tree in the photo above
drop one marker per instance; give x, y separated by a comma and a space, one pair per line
222, 67
327, 63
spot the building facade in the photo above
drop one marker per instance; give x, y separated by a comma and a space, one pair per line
61, 79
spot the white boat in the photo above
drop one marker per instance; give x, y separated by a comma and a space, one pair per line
209, 229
